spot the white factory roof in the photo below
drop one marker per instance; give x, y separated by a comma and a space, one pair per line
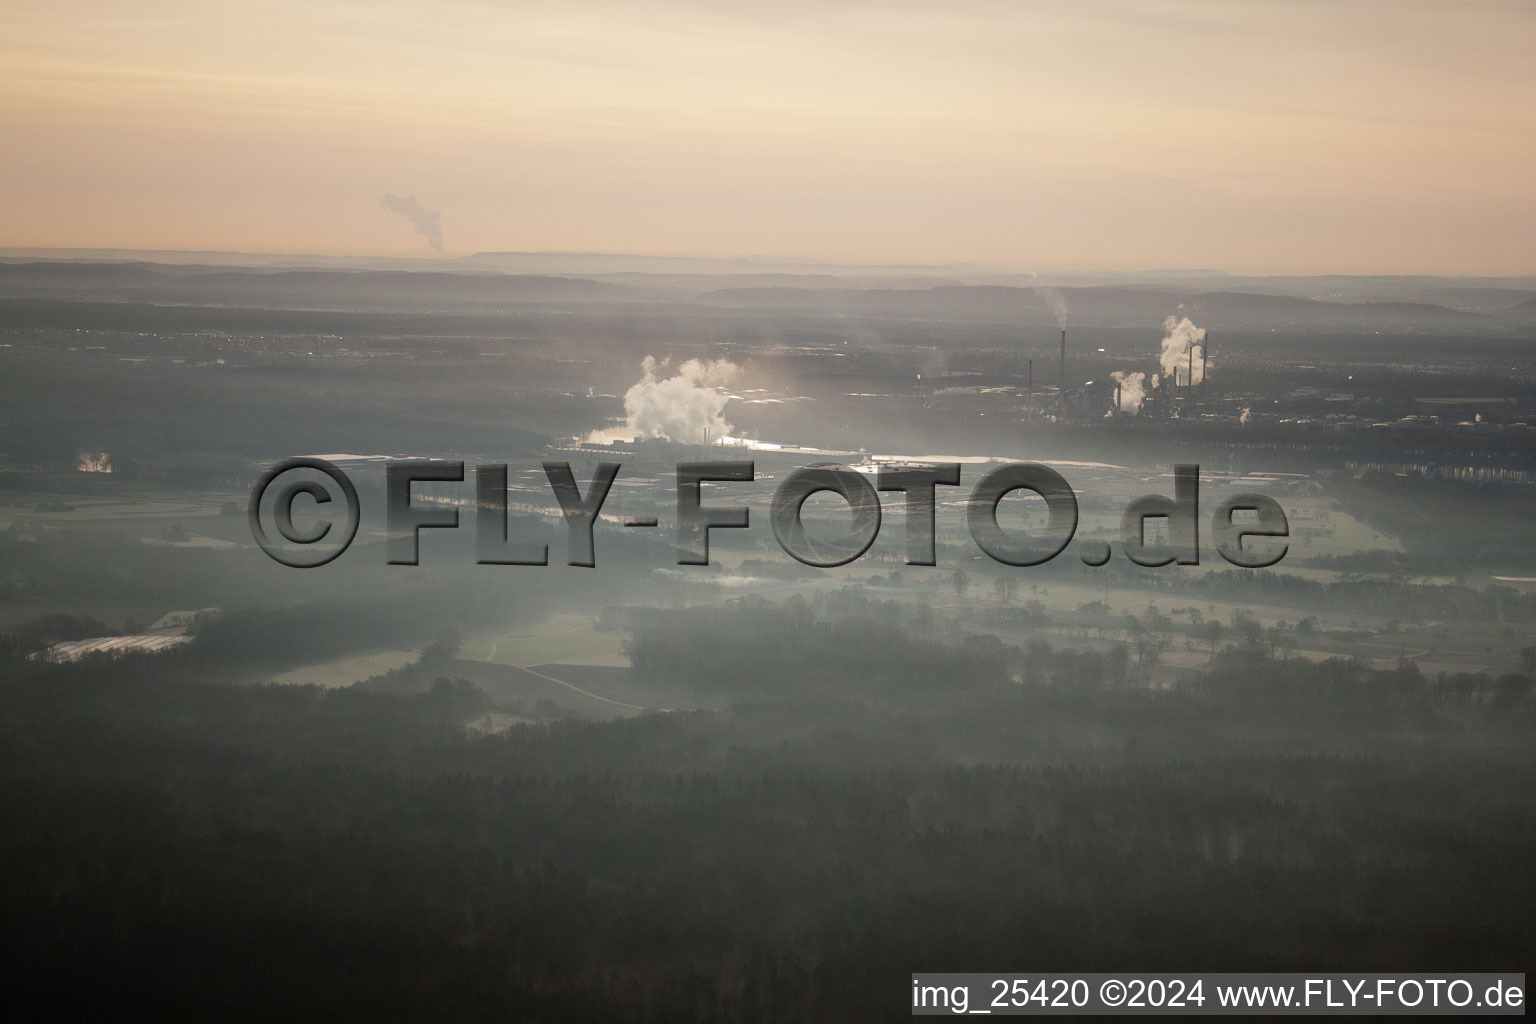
74, 650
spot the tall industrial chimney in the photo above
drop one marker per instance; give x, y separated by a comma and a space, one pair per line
1189, 378
1205, 347
1063, 358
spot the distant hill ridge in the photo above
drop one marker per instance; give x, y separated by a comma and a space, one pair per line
458, 287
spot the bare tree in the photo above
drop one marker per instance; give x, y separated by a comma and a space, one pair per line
1213, 631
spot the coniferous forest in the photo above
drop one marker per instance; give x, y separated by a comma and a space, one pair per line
878, 796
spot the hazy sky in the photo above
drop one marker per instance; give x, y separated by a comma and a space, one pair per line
1273, 136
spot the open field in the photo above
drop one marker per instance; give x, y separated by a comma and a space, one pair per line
346, 671
565, 637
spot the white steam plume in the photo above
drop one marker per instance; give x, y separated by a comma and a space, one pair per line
1181, 338
682, 407
1054, 298
428, 223
1132, 389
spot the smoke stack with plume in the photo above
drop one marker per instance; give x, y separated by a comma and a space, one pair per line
1181, 339
428, 223
1054, 299
1132, 389
1058, 304
684, 408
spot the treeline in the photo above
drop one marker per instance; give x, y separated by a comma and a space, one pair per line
753, 645
1390, 598
245, 643
41, 631
1411, 602
1472, 523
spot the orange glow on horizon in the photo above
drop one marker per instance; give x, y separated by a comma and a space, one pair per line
1365, 137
